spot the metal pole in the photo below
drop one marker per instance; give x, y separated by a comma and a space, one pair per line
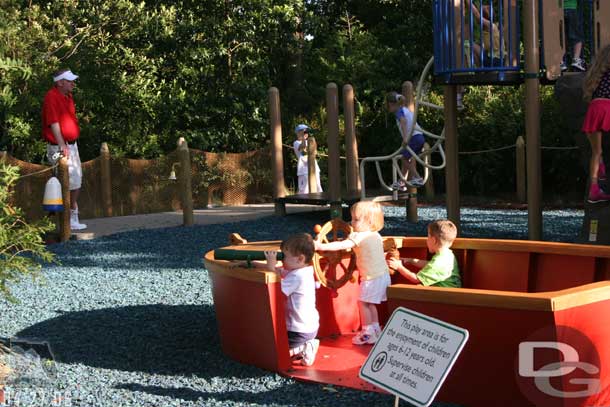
532, 119
452, 175
351, 144
64, 217
334, 167
186, 192
407, 92
279, 187
106, 180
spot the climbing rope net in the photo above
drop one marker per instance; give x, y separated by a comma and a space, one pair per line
422, 157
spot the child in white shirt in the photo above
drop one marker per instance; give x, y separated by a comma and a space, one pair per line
299, 286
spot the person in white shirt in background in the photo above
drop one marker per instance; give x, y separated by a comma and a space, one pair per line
300, 149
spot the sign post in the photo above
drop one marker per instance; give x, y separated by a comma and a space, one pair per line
413, 356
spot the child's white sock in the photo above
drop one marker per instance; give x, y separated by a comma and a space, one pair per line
376, 327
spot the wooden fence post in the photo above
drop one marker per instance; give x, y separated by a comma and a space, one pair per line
407, 92
64, 217
520, 172
106, 180
186, 193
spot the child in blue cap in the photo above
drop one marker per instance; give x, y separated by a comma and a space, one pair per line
300, 149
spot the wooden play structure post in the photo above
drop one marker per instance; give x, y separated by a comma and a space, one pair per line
64, 217
186, 194
277, 158
520, 172
452, 176
601, 28
407, 92
351, 144
312, 176
106, 180
532, 118
334, 165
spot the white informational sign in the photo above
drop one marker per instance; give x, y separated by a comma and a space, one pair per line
413, 356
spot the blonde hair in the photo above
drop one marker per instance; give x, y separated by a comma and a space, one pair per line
370, 212
444, 230
600, 65
395, 97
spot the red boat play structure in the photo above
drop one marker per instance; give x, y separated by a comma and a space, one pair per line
514, 292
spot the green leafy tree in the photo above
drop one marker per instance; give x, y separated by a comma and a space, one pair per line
21, 245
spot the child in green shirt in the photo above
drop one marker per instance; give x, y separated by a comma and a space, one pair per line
442, 269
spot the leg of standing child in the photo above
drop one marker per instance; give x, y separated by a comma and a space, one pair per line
370, 324
595, 194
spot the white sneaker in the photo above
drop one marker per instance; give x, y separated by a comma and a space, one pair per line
74, 223
398, 186
310, 351
296, 354
578, 65
417, 182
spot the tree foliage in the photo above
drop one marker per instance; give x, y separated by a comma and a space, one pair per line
153, 71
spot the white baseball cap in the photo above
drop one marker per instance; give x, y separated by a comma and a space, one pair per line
67, 75
301, 127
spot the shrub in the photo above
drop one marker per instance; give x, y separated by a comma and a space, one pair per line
22, 248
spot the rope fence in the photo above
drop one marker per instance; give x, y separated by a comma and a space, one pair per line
490, 150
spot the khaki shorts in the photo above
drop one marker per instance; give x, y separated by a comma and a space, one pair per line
75, 172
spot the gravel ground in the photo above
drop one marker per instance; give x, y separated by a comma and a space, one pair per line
131, 321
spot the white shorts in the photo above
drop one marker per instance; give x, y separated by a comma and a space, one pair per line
303, 187
374, 291
75, 172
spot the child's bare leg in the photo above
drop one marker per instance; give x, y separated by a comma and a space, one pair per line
413, 168
368, 313
596, 152
405, 167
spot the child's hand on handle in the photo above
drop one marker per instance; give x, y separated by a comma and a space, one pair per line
394, 264
271, 257
317, 245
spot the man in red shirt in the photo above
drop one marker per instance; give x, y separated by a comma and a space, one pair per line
60, 130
